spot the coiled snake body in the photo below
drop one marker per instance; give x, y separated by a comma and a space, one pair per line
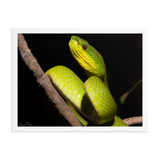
92, 98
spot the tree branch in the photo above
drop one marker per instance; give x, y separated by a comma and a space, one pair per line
45, 82
133, 120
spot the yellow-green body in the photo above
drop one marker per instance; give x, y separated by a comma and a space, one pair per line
92, 99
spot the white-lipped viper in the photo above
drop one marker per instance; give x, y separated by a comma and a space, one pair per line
92, 99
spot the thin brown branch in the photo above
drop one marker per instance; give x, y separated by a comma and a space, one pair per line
133, 120
45, 82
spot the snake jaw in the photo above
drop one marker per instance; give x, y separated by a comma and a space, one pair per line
81, 56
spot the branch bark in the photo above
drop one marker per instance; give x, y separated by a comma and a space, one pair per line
45, 82
133, 120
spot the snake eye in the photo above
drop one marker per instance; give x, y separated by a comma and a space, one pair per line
84, 46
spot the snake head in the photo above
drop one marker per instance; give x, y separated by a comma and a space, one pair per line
88, 57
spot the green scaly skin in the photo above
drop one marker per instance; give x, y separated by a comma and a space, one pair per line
92, 99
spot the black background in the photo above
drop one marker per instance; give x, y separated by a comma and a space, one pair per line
122, 54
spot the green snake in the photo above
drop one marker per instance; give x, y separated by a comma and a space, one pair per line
91, 99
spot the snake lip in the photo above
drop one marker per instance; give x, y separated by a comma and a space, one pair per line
74, 55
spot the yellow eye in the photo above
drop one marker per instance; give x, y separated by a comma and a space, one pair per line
84, 46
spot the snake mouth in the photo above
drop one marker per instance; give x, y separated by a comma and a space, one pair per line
72, 45
73, 53
81, 57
